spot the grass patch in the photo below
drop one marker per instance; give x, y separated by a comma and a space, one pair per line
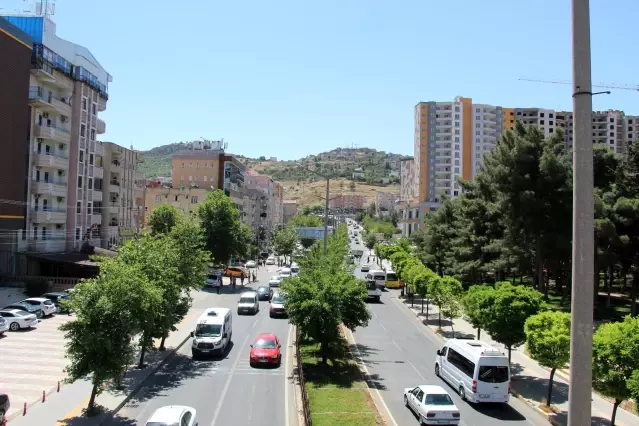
336, 392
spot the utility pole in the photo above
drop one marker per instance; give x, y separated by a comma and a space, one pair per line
580, 393
328, 181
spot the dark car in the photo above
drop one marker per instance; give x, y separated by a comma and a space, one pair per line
57, 297
32, 309
264, 292
4, 406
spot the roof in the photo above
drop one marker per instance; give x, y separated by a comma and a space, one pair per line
213, 315
266, 336
433, 389
475, 348
168, 413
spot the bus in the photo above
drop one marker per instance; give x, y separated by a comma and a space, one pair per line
392, 280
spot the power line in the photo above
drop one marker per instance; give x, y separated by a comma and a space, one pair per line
568, 82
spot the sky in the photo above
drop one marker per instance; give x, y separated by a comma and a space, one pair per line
289, 78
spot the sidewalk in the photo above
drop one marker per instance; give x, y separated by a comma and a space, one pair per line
530, 380
66, 407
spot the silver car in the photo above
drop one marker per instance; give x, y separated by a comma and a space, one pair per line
249, 303
4, 326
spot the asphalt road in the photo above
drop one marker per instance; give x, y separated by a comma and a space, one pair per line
399, 352
224, 391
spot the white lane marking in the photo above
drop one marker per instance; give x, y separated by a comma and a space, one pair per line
379, 395
421, 376
396, 345
228, 381
286, 365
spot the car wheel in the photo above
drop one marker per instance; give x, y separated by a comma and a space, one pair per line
462, 394
406, 401
437, 370
194, 355
14, 326
422, 422
238, 312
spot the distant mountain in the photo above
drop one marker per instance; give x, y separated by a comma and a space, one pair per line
377, 167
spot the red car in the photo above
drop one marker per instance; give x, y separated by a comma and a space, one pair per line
266, 351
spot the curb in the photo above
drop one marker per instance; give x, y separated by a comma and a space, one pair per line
299, 404
137, 388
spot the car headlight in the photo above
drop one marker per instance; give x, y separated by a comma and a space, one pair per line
275, 356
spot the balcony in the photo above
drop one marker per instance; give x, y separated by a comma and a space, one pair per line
53, 133
101, 127
47, 101
114, 186
116, 166
97, 195
50, 187
114, 208
96, 217
99, 149
48, 215
98, 172
53, 244
62, 105
57, 160
101, 104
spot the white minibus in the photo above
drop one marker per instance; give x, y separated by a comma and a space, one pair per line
378, 276
479, 372
213, 332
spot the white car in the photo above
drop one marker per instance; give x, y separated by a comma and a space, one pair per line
250, 264
4, 326
249, 302
173, 415
46, 305
366, 267
432, 404
275, 281
270, 261
285, 273
18, 319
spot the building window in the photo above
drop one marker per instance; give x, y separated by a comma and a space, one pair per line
176, 197
91, 159
93, 109
190, 178
182, 178
158, 199
182, 165
205, 177
90, 183
81, 156
78, 207
84, 104
80, 182
92, 134
88, 208
83, 130
194, 199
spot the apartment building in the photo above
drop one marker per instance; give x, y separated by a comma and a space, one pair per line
347, 202
185, 199
272, 203
123, 211
451, 139
68, 88
408, 184
15, 50
290, 210
385, 201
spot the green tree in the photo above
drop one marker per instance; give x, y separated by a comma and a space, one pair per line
307, 221
475, 307
224, 234
326, 294
163, 218
439, 233
449, 306
616, 360
548, 342
285, 241
370, 240
510, 307
108, 309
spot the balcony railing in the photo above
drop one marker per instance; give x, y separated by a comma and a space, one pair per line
51, 181
54, 154
49, 209
40, 93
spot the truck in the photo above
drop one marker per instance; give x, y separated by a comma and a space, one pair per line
358, 253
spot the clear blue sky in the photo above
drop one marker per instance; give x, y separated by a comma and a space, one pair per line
295, 77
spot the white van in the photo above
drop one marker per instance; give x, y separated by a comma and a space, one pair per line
295, 269
479, 372
378, 276
285, 273
213, 332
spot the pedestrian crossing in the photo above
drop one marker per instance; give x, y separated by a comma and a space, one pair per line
32, 361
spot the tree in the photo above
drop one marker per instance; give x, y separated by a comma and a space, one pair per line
326, 294
475, 307
439, 233
616, 360
371, 210
163, 218
225, 237
108, 309
285, 241
158, 260
352, 186
450, 307
307, 221
510, 307
370, 240
548, 342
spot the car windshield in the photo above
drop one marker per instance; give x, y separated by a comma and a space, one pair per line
391, 277
438, 399
493, 374
31, 302
247, 299
208, 330
265, 344
276, 278
212, 277
279, 299
262, 289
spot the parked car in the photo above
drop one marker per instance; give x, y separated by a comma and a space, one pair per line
432, 404
47, 306
173, 415
249, 302
26, 307
18, 319
270, 261
275, 281
4, 326
4, 406
266, 350
250, 264
57, 297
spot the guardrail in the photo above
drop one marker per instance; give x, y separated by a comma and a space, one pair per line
300, 374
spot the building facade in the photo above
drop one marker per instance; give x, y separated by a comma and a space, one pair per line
408, 184
68, 88
123, 185
185, 199
385, 201
15, 50
347, 202
290, 210
272, 201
